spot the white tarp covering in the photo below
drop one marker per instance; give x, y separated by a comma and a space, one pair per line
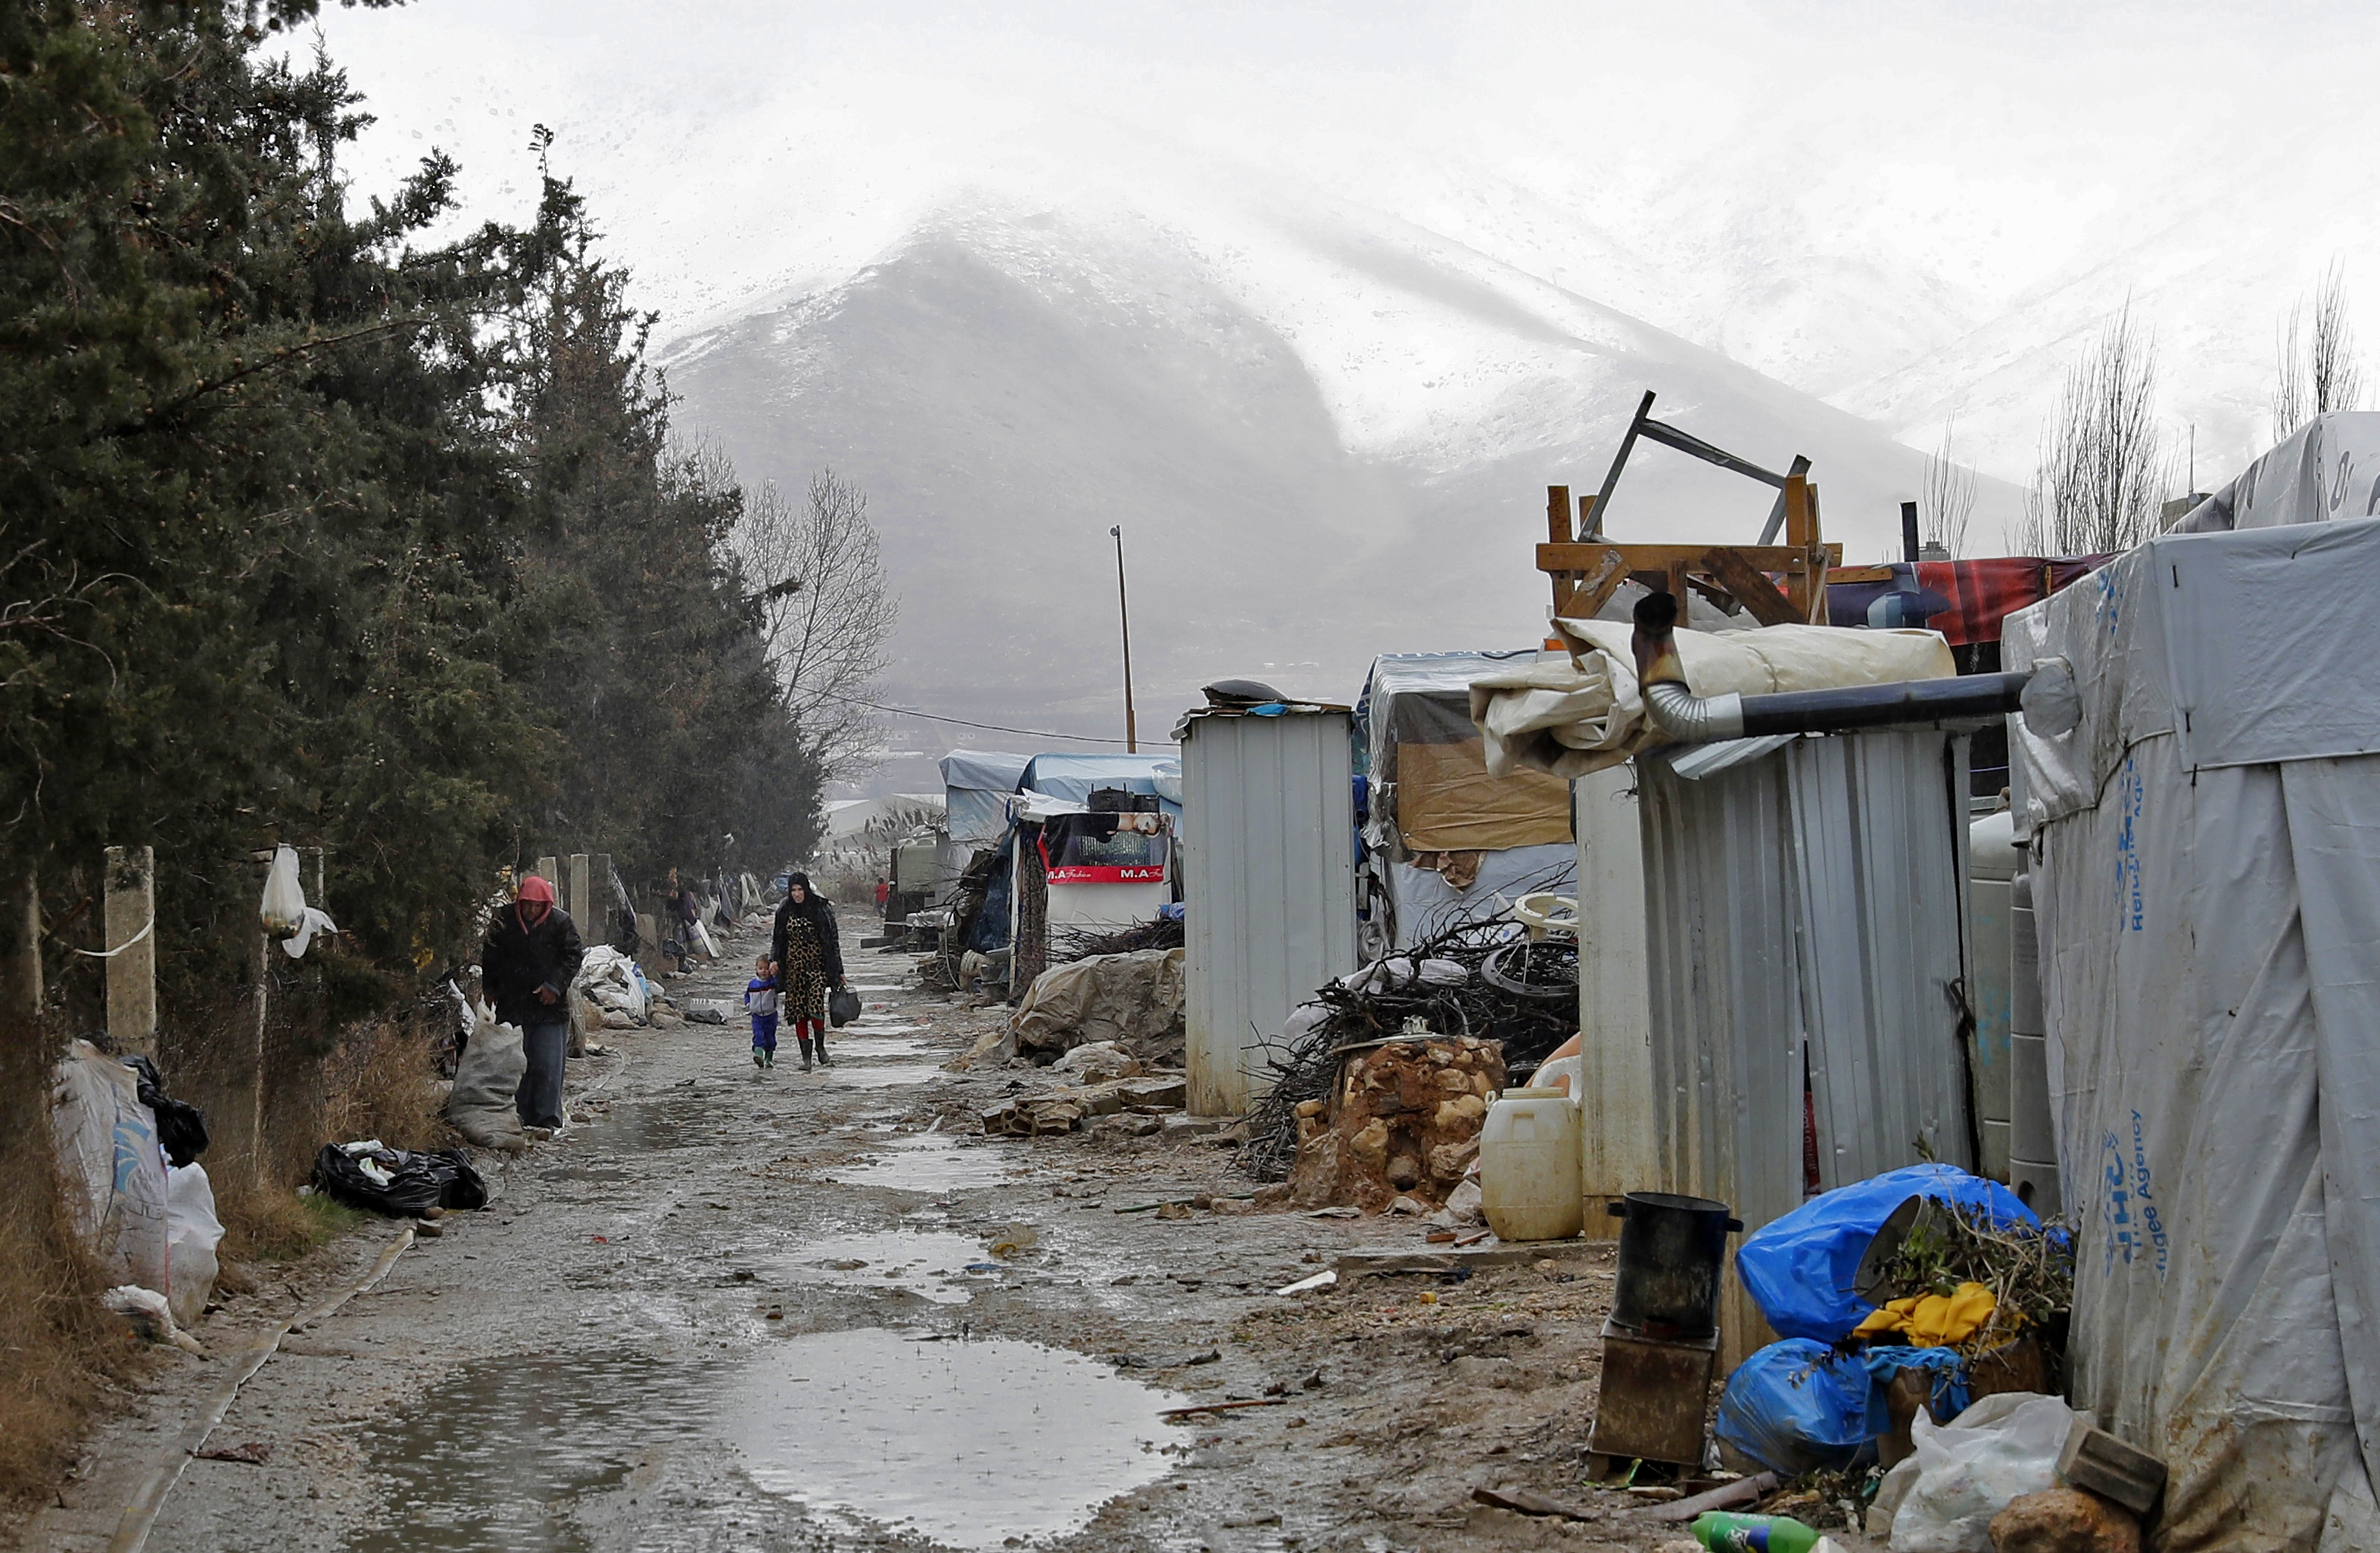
1573, 718
975, 785
2326, 470
2207, 884
1076, 777
1428, 904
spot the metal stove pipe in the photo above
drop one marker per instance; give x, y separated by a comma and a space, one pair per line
1691, 719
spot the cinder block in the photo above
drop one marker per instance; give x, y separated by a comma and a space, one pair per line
2097, 1461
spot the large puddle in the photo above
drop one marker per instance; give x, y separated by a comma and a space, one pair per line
930, 1263
968, 1443
927, 1162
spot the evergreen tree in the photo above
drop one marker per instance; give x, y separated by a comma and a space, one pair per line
313, 531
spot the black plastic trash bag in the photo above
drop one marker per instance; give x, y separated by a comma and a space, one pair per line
842, 1006
399, 1181
181, 1129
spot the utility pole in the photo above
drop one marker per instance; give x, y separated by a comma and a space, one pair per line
1124, 613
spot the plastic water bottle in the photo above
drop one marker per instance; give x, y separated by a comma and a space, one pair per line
1723, 1532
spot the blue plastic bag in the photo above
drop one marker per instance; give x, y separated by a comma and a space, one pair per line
1800, 1268
1949, 1396
1798, 1406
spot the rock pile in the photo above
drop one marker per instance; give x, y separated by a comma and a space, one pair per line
1403, 1121
1070, 1108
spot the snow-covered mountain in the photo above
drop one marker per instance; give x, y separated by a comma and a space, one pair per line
1323, 442
1315, 299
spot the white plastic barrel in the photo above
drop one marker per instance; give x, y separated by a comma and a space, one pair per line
1528, 1166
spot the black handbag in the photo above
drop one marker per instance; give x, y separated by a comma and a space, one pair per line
842, 1006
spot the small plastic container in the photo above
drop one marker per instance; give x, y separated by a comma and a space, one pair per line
1528, 1166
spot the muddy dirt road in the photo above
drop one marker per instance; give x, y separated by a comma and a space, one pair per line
734, 1310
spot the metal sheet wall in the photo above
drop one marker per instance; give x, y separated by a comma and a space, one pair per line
1723, 938
1880, 852
1616, 1137
1809, 901
1269, 878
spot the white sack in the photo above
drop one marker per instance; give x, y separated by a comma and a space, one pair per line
610, 978
192, 1233
283, 907
1968, 1469
107, 1149
1573, 718
151, 1314
484, 1103
310, 921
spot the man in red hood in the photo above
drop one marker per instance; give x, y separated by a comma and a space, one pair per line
526, 967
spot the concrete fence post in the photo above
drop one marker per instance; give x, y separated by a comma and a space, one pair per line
578, 895
602, 927
130, 913
256, 1160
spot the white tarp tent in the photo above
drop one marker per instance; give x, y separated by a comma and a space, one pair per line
2206, 876
975, 785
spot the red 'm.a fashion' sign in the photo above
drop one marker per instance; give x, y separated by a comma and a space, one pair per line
1106, 848
1093, 873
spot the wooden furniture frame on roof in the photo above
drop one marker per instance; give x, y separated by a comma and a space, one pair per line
1587, 567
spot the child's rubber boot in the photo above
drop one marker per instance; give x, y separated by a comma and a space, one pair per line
769, 1056
756, 1058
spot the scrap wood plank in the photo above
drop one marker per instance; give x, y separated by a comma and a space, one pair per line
1223, 1407
1529, 1502
1356, 1263
1750, 585
1587, 555
1593, 590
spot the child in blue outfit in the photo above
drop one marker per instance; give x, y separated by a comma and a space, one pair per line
761, 1003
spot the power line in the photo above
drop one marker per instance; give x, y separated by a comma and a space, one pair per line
988, 727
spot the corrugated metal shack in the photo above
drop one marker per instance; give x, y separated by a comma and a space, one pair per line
1805, 934
1269, 887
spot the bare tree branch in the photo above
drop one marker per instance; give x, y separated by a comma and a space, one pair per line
2096, 489
1949, 493
2320, 372
817, 582
2288, 376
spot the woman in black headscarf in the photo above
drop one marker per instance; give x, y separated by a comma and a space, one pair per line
809, 953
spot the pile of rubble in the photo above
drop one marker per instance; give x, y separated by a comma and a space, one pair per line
1403, 1122
612, 992
1102, 1080
1479, 977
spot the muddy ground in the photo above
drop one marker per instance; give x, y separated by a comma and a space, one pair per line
729, 1309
